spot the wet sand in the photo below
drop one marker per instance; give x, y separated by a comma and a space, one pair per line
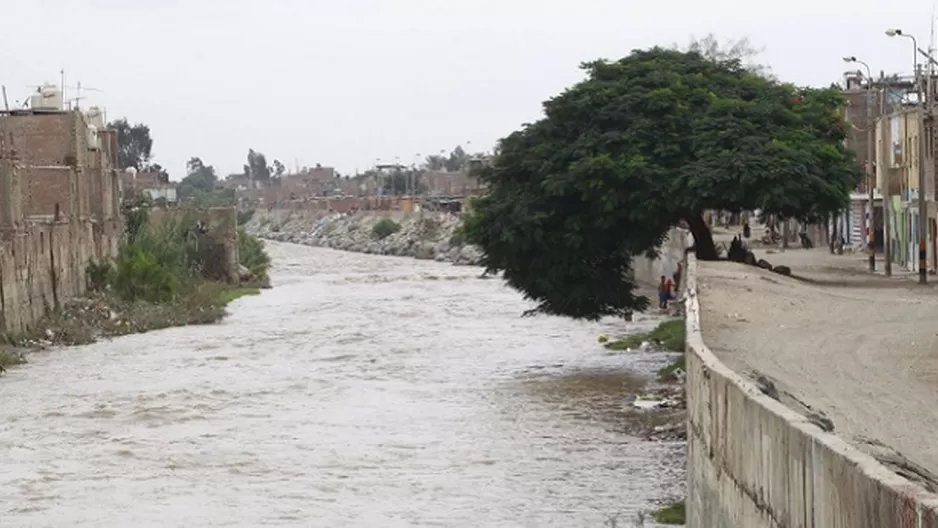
861, 349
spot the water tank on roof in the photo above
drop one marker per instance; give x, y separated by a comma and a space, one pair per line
48, 98
95, 117
94, 142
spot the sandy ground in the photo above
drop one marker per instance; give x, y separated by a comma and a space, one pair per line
858, 348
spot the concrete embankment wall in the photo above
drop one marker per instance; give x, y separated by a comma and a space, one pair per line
754, 463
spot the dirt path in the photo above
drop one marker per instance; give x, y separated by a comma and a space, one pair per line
861, 349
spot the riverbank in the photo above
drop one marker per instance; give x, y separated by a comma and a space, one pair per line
425, 236
104, 315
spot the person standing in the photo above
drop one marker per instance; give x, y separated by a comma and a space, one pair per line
664, 294
747, 233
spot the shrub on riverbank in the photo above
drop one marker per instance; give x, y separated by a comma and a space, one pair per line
253, 256
384, 228
669, 335
672, 514
162, 277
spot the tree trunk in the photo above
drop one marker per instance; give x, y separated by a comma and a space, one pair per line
703, 239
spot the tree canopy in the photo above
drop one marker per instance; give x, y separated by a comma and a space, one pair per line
645, 143
134, 144
200, 178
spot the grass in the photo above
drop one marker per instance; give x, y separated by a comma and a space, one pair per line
671, 514
230, 294
670, 335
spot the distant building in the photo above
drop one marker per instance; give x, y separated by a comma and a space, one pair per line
136, 185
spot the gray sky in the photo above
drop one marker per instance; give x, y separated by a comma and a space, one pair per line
344, 83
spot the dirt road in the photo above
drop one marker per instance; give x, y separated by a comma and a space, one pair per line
862, 349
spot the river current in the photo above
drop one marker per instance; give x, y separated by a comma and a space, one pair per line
360, 391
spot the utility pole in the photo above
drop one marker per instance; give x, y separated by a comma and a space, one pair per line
922, 204
883, 167
870, 153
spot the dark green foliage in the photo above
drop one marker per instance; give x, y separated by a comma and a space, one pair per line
384, 228
134, 145
253, 256
643, 144
170, 261
140, 275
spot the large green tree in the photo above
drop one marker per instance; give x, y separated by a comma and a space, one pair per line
134, 144
200, 178
645, 143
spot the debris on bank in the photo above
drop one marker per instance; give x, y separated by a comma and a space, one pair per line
84, 320
669, 402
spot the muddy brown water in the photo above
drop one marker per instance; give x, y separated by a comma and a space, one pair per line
361, 391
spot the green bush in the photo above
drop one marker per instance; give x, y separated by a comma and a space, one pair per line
139, 275
156, 264
384, 228
173, 261
252, 254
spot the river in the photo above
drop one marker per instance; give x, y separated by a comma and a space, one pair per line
361, 391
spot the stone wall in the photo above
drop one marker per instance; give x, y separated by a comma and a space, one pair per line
754, 463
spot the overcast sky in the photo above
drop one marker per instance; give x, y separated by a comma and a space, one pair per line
346, 82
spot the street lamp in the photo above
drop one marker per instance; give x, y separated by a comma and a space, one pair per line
922, 213
871, 178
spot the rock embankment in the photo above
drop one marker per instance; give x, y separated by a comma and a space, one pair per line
427, 236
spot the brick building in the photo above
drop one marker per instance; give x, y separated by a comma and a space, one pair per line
137, 184
59, 209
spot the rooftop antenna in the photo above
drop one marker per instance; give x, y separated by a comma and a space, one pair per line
78, 88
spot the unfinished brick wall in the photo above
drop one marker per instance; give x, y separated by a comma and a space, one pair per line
47, 191
42, 139
43, 255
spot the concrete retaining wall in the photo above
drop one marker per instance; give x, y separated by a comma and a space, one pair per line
754, 463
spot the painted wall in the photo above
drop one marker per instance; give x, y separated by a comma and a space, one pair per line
754, 463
